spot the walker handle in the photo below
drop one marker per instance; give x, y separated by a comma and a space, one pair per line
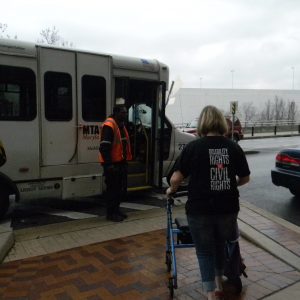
171, 198
170, 201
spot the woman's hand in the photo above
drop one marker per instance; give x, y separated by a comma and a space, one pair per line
169, 192
175, 181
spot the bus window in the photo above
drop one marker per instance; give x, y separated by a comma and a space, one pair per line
166, 137
140, 114
93, 98
17, 94
58, 96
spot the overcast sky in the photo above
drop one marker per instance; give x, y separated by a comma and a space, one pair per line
206, 43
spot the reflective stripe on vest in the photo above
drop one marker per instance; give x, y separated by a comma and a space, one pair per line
117, 145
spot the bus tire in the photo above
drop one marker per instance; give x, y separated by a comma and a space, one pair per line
7, 188
4, 202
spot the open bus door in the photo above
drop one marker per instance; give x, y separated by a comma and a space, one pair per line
144, 101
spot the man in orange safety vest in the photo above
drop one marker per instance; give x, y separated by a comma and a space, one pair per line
114, 152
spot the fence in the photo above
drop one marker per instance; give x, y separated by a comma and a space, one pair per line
268, 123
269, 127
272, 129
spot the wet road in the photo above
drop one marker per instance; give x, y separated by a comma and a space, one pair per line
261, 191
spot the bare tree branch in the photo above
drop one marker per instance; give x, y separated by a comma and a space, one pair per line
3, 34
50, 36
291, 110
267, 113
249, 111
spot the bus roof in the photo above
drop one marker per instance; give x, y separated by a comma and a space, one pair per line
16, 47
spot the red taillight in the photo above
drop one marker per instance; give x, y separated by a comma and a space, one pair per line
286, 159
193, 131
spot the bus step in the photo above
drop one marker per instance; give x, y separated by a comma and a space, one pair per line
136, 167
139, 188
138, 179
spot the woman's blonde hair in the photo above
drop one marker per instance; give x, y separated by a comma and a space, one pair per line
211, 120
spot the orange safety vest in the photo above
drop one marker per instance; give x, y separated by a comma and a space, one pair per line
117, 145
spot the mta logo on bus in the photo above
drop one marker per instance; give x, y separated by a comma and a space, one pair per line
91, 132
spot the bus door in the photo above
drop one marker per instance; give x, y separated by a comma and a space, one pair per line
142, 98
162, 135
155, 131
94, 94
58, 106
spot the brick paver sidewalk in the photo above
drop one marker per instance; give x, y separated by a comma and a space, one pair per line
288, 238
132, 268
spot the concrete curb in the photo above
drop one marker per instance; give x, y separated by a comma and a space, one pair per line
269, 245
271, 216
266, 243
290, 293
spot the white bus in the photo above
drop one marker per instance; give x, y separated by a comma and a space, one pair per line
52, 104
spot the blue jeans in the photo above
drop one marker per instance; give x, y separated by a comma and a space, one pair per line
209, 233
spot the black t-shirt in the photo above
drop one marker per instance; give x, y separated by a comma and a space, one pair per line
212, 164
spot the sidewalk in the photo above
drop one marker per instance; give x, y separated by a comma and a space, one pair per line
96, 259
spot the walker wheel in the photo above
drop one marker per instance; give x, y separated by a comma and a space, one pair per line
171, 287
237, 283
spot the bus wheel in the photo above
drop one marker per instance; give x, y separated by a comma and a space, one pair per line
4, 202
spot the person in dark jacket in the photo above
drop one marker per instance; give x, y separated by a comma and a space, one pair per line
2, 154
114, 153
216, 166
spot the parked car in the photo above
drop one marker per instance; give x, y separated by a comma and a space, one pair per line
287, 170
237, 130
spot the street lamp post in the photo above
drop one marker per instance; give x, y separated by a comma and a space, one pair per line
293, 70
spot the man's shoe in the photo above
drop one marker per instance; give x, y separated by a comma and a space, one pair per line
115, 218
123, 215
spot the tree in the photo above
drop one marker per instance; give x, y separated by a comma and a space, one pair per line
279, 109
291, 110
50, 36
249, 111
267, 113
3, 29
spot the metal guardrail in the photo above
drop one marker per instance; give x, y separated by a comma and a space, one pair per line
272, 129
268, 127
253, 123
268, 123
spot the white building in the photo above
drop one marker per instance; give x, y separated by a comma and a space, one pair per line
187, 103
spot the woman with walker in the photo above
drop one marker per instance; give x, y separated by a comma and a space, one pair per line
216, 166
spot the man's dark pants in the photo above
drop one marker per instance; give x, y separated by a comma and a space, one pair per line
116, 188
